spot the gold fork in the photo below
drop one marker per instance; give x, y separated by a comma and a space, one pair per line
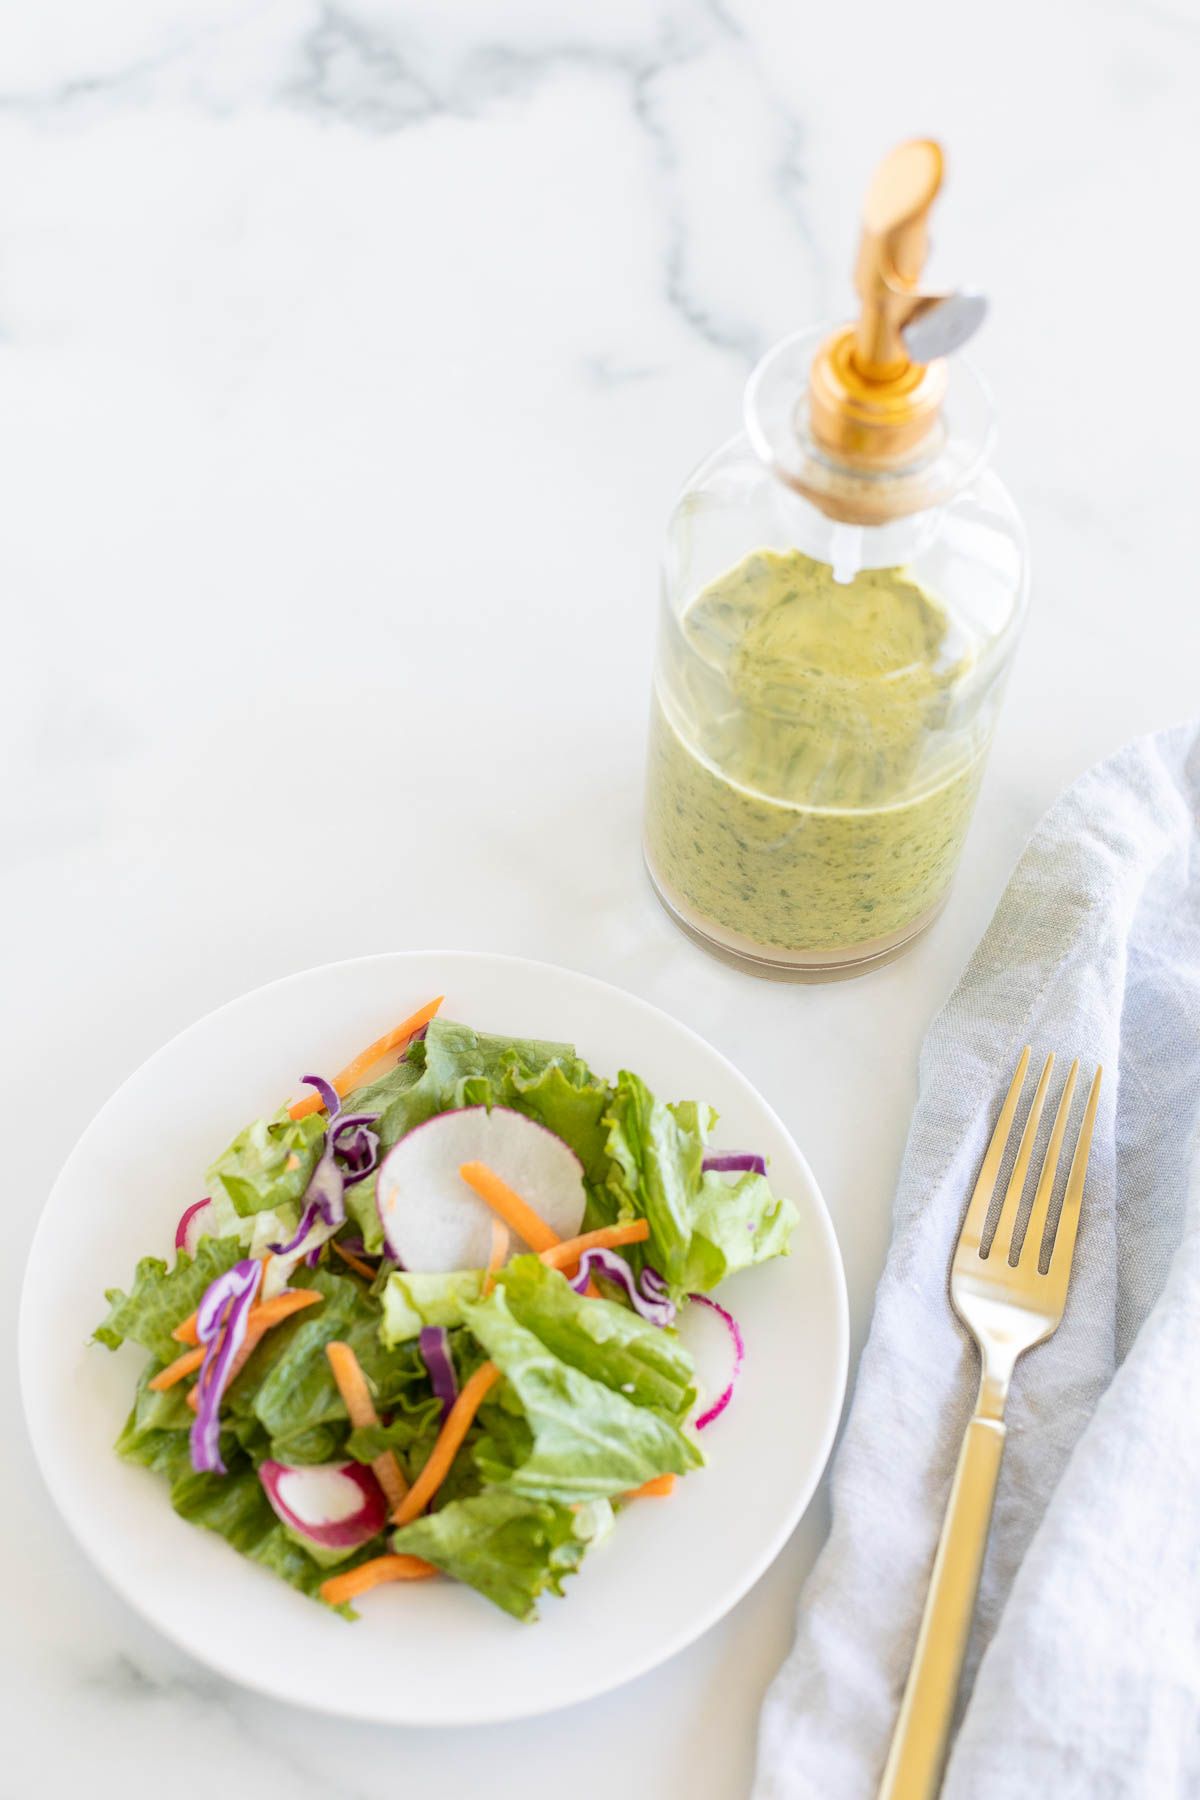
1008, 1305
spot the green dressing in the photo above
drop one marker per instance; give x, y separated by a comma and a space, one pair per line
807, 790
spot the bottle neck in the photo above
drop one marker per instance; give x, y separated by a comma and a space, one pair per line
952, 449
847, 548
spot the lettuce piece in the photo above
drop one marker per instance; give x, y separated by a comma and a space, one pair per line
412, 1301
453, 1052
568, 1100
603, 1339
655, 1170
162, 1297
411, 1435
156, 1433
702, 1228
237, 1509
454, 1066
232, 1505
256, 1232
509, 1548
589, 1440
734, 1225
254, 1173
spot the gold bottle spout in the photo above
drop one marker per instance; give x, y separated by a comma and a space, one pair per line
892, 253
876, 387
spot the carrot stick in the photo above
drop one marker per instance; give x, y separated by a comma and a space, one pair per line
352, 1386
340, 1588
497, 1258
566, 1254
659, 1488
348, 1077
260, 1321
355, 1262
512, 1209
449, 1441
187, 1364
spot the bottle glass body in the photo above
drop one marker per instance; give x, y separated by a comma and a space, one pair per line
824, 699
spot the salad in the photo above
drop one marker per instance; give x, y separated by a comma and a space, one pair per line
424, 1321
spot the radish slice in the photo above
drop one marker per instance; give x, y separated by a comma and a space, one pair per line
738, 1348
192, 1226
334, 1507
432, 1220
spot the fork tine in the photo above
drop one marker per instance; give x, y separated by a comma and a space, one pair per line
1059, 1272
1035, 1230
1006, 1224
989, 1169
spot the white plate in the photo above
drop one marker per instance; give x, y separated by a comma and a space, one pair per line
435, 1653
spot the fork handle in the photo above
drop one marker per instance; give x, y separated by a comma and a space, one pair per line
918, 1751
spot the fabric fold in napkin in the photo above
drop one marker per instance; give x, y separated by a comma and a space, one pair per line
1083, 1673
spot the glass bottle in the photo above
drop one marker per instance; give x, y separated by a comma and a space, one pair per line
843, 589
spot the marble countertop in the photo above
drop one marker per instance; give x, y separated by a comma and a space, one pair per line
351, 355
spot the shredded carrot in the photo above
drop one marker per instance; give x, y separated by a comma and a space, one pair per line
449, 1441
352, 1386
349, 1077
659, 1488
185, 1331
516, 1214
260, 1321
355, 1262
497, 1257
340, 1588
567, 1254
187, 1364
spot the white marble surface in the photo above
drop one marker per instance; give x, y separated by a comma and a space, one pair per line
350, 356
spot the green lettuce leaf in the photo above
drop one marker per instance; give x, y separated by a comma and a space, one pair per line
156, 1436
603, 1339
237, 1509
254, 1173
589, 1440
734, 1225
455, 1066
412, 1301
568, 1100
162, 1297
655, 1171
702, 1227
510, 1548
411, 1435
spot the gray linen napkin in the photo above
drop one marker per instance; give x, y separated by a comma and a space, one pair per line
1083, 1673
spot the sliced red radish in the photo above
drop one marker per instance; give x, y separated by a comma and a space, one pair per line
192, 1226
432, 1220
334, 1507
737, 1350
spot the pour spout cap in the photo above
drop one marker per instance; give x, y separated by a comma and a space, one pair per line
892, 253
876, 387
